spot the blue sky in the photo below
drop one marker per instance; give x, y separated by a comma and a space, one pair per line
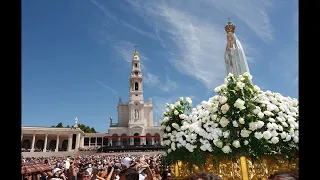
76, 54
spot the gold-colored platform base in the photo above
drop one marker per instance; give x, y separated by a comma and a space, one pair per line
242, 169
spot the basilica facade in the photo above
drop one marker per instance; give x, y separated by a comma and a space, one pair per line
135, 124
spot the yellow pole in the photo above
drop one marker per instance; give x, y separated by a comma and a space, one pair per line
244, 169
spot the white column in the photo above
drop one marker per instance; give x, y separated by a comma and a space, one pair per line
161, 140
57, 144
45, 143
89, 141
119, 141
102, 142
21, 137
70, 142
110, 142
77, 141
82, 141
152, 141
96, 142
33, 141
131, 141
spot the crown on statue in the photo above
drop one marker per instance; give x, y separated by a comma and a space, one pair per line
230, 27
135, 53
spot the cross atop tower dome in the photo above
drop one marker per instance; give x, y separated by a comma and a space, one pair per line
135, 53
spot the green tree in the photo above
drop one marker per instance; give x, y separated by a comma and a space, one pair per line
60, 125
84, 128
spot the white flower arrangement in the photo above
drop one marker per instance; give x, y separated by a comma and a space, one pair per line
240, 120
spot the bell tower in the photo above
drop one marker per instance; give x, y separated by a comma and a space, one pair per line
136, 88
136, 100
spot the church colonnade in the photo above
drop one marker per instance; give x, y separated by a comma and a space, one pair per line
122, 140
52, 142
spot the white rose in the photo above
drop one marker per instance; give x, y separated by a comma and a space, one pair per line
246, 74
284, 124
164, 153
168, 128
181, 99
268, 113
174, 132
163, 127
177, 104
176, 112
256, 111
283, 135
271, 120
241, 120
267, 135
223, 86
258, 135
226, 134
260, 115
256, 88
225, 81
240, 85
296, 139
224, 122
245, 133
260, 124
182, 116
217, 89
253, 126
171, 106
274, 140
240, 78
225, 108
239, 104
213, 117
246, 142
219, 144
226, 149
236, 144
223, 99
235, 124
188, 99
169, 151
288, 137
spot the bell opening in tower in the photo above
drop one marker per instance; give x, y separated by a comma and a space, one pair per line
136, 64
136, 86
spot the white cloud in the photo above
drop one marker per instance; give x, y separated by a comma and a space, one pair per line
125, 49
109, 88
121, 22
159, 104
197, 43
154, 81
253, 13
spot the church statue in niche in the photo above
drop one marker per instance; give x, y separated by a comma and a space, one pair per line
136, 113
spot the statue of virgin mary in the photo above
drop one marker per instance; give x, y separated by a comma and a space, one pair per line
235, 59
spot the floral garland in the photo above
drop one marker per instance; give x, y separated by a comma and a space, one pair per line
241, 120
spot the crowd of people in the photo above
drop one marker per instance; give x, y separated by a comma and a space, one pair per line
98, 166
120, 166
95, 148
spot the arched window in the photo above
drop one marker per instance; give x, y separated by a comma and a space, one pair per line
136, 86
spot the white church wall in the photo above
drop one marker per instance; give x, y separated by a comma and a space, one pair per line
123, 116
